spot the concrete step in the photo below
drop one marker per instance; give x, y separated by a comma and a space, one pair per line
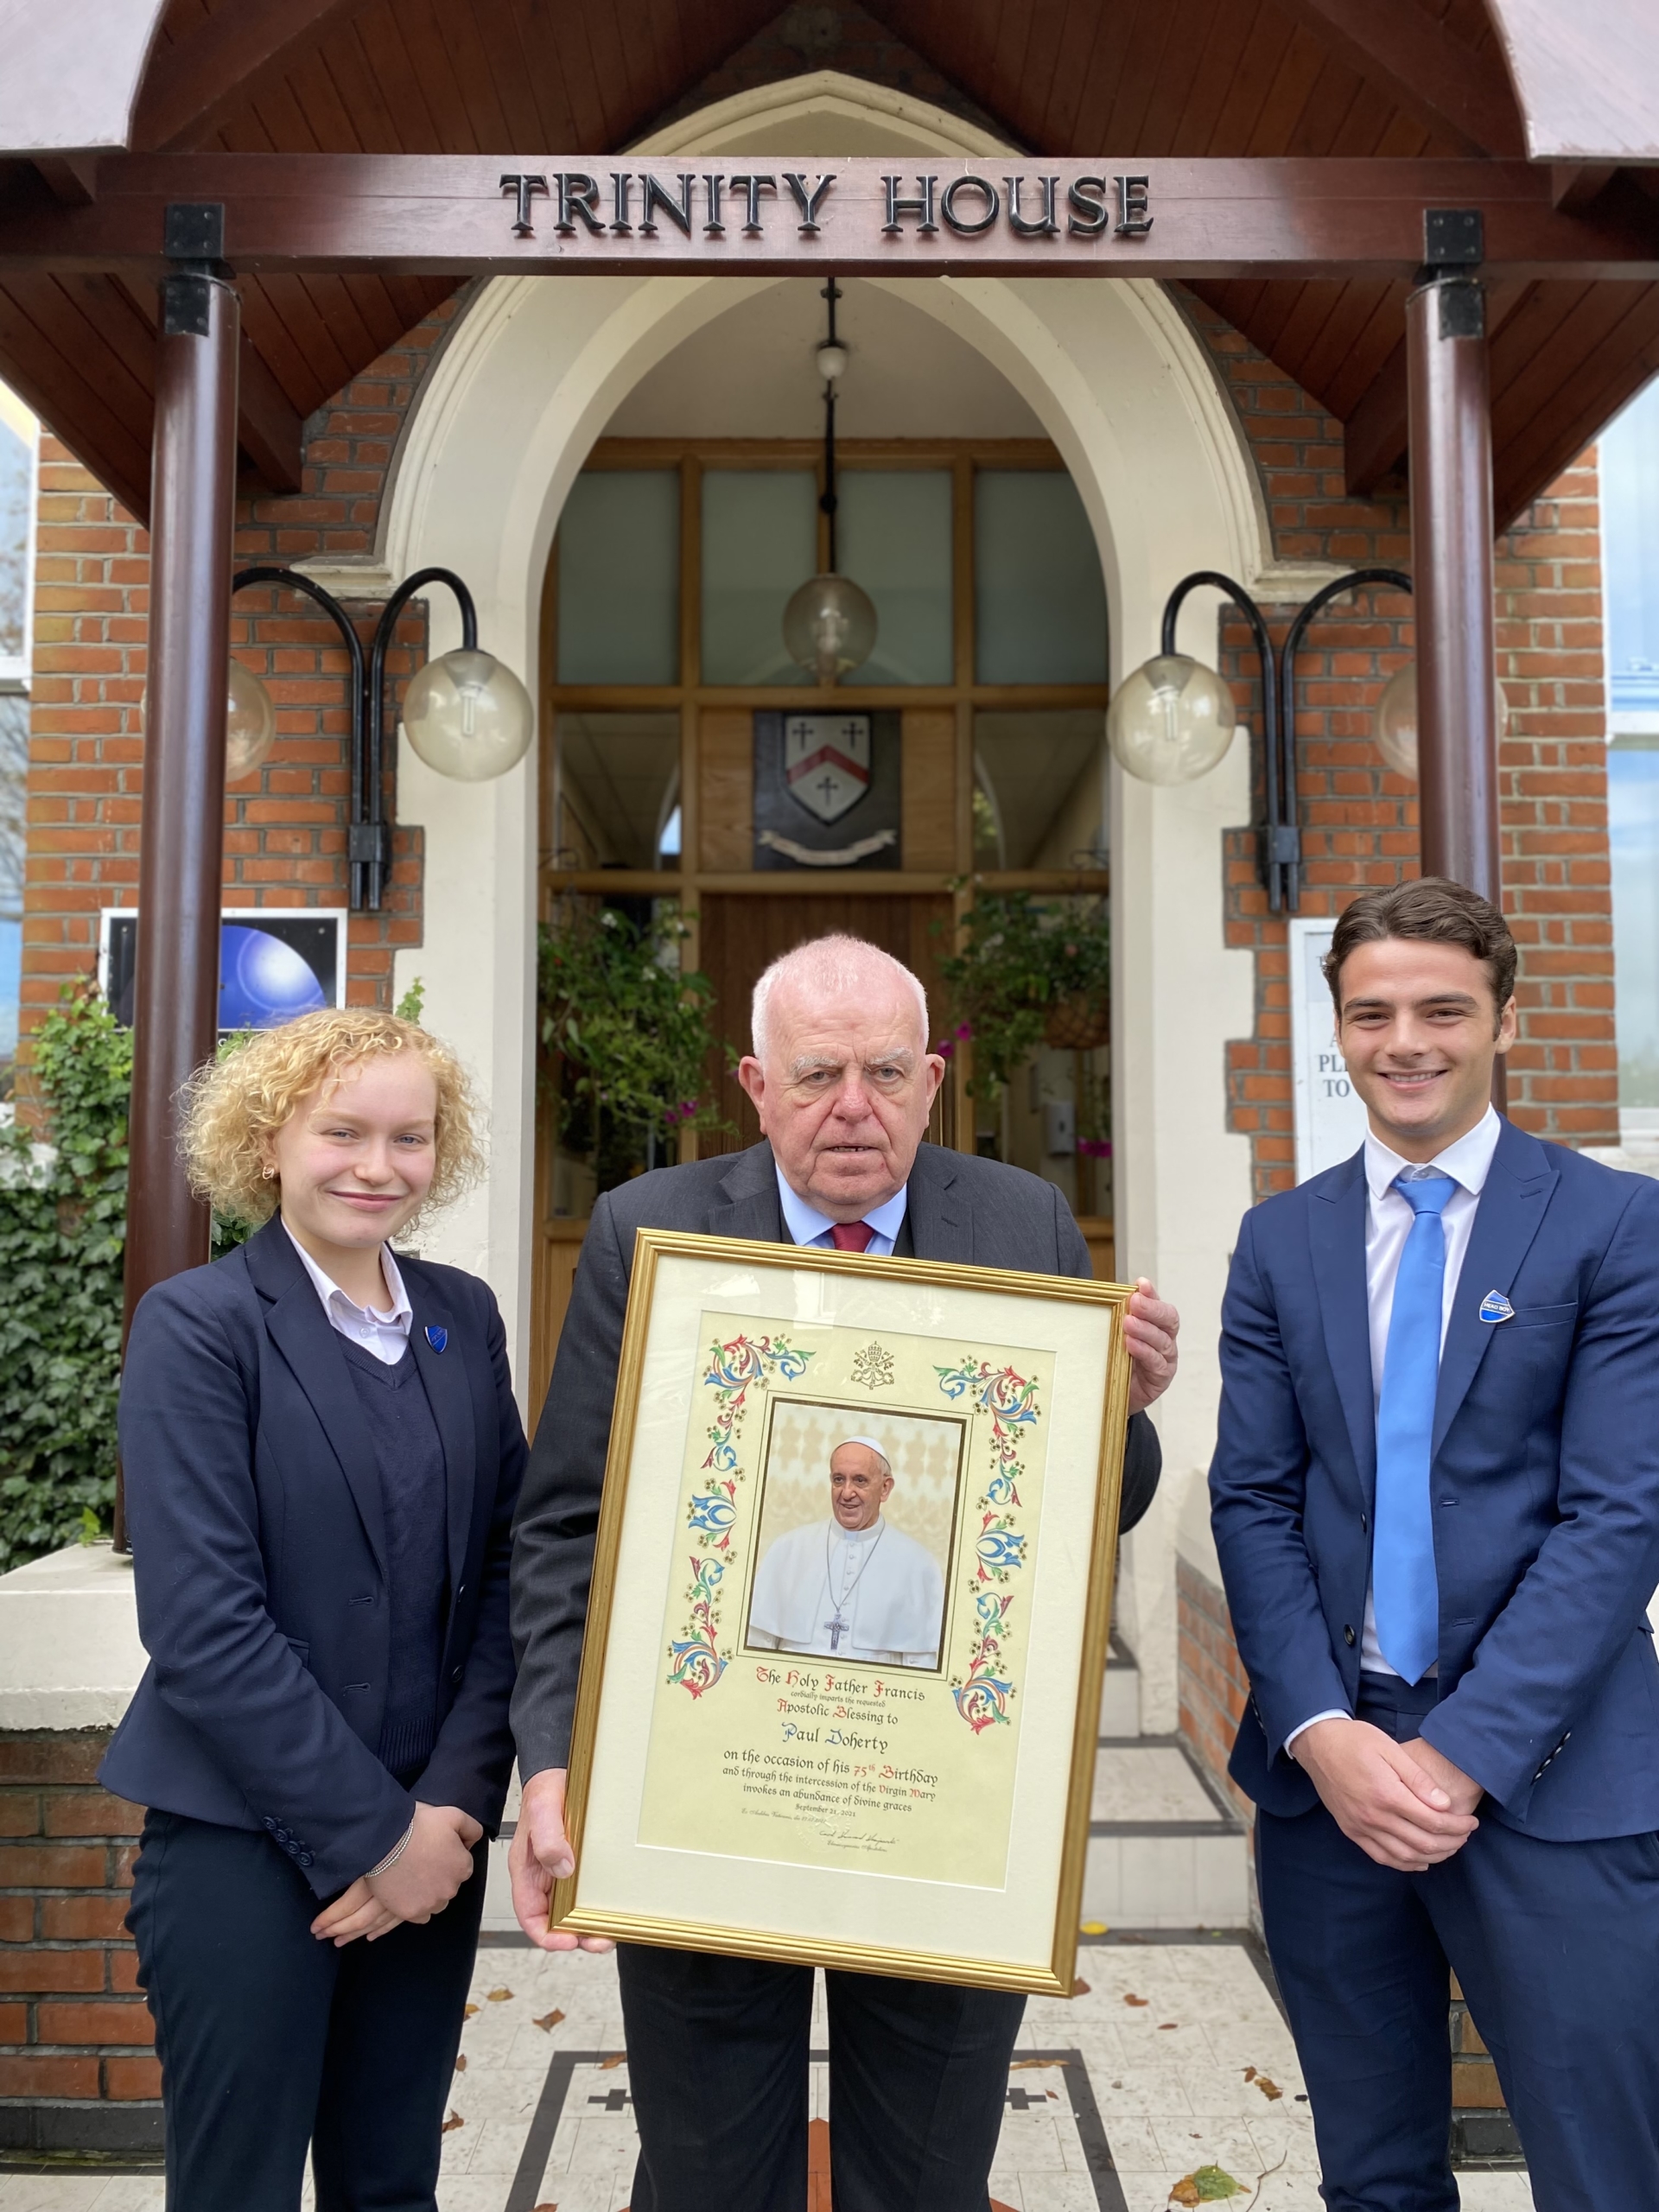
1164, 1849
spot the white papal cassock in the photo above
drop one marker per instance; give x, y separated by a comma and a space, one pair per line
859, 1594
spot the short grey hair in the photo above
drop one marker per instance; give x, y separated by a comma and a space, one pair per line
828, 964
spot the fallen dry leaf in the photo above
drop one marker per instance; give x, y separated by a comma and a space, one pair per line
467, 2011
450, 2125
1021, 2065
460, 2063
1269, 2088
1162, 2025
549, 2021
1129, 1999
616, 2058
1079, 1987
1249, 2073
499, 1997
1205, 2185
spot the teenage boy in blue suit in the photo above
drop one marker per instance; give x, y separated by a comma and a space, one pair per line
1436, 1499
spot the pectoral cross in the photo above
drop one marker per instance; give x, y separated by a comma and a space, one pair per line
837, 1628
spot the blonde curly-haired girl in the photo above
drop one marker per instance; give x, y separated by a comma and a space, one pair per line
322, 1456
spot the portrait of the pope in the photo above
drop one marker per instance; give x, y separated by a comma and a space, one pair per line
851, 1586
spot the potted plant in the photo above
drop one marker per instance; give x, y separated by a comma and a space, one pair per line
1029, 973
632, 1035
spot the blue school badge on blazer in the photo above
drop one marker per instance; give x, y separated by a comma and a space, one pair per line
438, 1337
1493, 1307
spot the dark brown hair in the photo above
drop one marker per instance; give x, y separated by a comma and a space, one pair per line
1429, 906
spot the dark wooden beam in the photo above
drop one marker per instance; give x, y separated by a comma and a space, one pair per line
268, 428
190, 87
175, 1000
1574, 185
1409, 54
70, 178
432, 214
1376, 435
1452, 576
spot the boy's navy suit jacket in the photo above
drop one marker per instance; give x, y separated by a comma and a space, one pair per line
1544, 1487
259, 1548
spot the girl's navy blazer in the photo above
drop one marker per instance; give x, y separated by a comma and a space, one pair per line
260, 1552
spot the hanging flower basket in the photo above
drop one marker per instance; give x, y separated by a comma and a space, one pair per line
1078, 1025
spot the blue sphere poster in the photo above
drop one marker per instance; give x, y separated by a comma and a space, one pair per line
272, 966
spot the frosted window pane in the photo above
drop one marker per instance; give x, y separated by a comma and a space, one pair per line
620, 578
759, 543
893, 529
1040, 789
1039, 603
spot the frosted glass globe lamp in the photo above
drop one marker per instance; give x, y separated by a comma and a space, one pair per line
1171, 721
829, 626
1395, 724
250, 722
468, 716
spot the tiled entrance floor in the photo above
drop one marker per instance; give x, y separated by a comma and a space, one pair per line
1161, 2067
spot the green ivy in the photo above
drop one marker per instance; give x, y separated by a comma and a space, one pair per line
633, 1032
62, 1236
1019, 961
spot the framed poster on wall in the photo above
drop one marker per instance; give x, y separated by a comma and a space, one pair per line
877, 1752
274, 963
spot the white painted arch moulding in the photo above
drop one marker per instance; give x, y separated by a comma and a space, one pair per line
535, 369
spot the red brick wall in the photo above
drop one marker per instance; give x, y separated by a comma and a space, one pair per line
1360, 820
75, 2033
285, 825
1214, 1686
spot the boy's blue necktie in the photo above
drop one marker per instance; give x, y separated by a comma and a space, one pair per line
1405, 1590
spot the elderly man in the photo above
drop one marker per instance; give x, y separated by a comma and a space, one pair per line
842, 1081
880, 1594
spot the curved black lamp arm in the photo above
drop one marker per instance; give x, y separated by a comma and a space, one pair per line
291, 580
379, 863
1279, 775
1352, 581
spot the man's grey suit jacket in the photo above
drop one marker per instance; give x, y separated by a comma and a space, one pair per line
971, 1211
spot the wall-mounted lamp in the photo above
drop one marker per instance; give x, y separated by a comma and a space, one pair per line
465, 713
1171, 721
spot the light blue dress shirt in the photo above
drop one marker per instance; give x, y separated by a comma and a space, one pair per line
806, 1225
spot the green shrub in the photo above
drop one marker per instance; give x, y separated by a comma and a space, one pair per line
62, 1236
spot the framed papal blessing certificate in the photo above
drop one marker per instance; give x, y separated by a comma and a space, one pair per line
850, 1604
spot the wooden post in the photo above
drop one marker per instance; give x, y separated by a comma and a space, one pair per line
176, 997
1451, 535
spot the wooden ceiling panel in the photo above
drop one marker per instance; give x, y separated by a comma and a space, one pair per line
62, 371
1119, 78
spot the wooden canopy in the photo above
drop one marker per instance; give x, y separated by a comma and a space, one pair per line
85, 86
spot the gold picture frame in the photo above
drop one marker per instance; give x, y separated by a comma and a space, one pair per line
922, 1812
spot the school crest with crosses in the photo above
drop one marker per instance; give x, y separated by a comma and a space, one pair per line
827, 762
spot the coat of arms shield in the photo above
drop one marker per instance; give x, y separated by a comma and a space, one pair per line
827, 762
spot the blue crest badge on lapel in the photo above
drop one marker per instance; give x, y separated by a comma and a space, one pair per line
1493, 1307
438, 1337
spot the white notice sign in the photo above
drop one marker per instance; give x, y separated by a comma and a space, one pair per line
1330, 1118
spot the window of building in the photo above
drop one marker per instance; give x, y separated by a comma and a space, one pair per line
1630, 510
19, 445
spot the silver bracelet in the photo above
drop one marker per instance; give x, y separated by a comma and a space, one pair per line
391, 1856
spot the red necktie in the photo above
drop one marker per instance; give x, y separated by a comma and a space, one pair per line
850, 1235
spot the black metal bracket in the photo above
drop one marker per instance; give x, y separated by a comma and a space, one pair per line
1278, 837
368, 838
192, 238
